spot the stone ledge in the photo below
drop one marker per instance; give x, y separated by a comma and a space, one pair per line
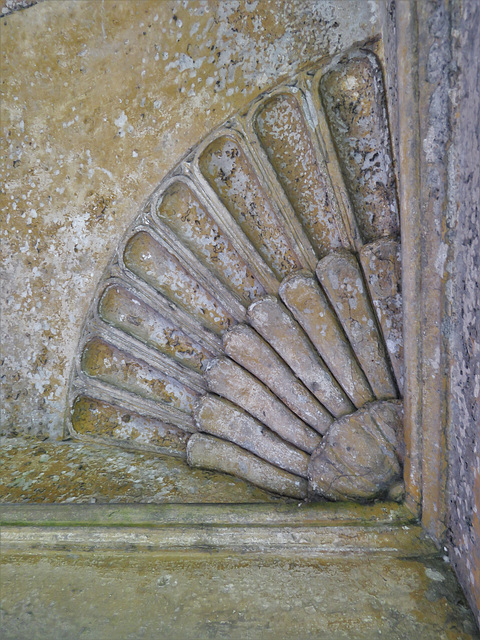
150, 515
405, 541
386, 528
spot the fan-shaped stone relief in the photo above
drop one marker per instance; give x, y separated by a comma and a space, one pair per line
250, 321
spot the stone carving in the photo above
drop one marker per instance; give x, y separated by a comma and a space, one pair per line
250, 320
360, 456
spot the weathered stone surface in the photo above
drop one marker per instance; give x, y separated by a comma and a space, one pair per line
463, 488
360, 456
341, 278
231, 175
94, 114
165, 288
209, 452
229, 380
222, 206
221, 418
311, 309
215, 233
245, 346
67, 202
283, 132
7, 6
105, 362
381, 263
127, 312
156, 266
272, 321
193, 596
68, 472
181, 210
98, 419
352, 92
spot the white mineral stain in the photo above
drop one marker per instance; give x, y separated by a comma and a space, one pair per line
120, 122
441, 259
434, 575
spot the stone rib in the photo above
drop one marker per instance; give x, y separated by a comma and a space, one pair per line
212, 453
284, 136
229, 380
221, 418
342, 280
127, 312
353, 96
152, 357
381, 263
272, 321
310, 307
247, 348
225, 166
105, 362
156, 266
182, 212
96, 418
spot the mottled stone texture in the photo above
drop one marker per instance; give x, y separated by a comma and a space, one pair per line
36, 471
464, 480
449, 47
360, 455
227, 379
99, 101
210, 597
208, 452
7, 6
382, 266
352, 93
283, 134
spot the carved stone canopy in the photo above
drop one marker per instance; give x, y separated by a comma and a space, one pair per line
250, 320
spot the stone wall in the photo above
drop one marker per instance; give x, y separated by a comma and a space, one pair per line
464, 464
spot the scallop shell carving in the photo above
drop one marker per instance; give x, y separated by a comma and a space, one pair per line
250, 320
